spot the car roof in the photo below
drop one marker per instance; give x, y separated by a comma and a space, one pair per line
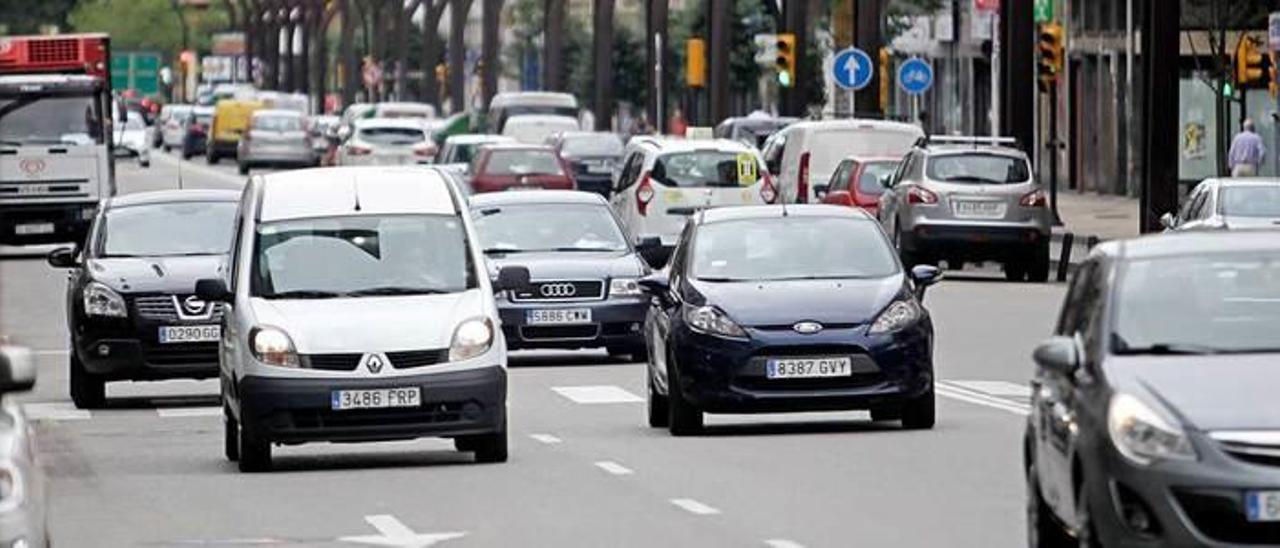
262, 113
869, 159
854, 123
505, 146
956, 149
477, 138
525, 197
336, 191
541, 119
408, 123
173, 196
1185, 244
737, 213
668, 144
540, 98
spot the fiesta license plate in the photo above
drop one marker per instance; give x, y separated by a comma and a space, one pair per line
809, 368
378, 398
979, 210
563, 316
1262, 505
190, 334
33, 229
599, 167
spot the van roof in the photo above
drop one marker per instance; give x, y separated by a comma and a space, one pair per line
327, 192
856, 123
546, 98
542, 120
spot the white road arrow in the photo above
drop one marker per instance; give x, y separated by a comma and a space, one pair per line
393, 533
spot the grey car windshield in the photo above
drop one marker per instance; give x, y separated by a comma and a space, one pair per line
36, 119
1222, 302
978, 169
791, 248
1251, 201
157, 230
549, 227
357, 256
598, 144
522, 162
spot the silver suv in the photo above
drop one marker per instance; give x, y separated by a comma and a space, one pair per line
969, 200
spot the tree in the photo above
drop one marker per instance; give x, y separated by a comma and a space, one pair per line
149, 25
26, 16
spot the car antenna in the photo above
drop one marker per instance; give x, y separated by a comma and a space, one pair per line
355, 192
784, 207
180, 162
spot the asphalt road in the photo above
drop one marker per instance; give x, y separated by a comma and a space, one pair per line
584, 471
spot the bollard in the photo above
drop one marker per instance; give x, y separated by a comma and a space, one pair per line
1064, 258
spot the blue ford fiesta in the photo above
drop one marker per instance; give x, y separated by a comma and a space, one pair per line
773, 309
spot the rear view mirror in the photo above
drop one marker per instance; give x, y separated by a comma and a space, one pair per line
213, 290
1168, 221
656, 285
512, 278
924, 276
1058, 354
886, 180
63, 257
17, 369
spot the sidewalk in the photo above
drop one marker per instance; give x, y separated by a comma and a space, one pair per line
1104, 216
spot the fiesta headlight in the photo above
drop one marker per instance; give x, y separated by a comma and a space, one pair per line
624, 287
1142, 435
898, 315
710, 320
272, 346
472, 338
100, 300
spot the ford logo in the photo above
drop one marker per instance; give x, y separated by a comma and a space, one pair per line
807, 328
558, 290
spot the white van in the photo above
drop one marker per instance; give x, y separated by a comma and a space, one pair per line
804, 155
508, 104
360, 309
533, 129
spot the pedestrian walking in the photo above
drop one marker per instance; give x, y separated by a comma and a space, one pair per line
1247, 152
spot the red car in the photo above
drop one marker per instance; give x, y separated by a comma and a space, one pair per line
859, 182
508, 167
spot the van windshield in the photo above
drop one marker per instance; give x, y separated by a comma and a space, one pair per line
362, 256
45, 120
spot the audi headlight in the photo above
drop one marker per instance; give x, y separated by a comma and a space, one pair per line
898, 315
100, 300
472, 338
710, 320
272, 346
624, 287
12, 491
1142, 435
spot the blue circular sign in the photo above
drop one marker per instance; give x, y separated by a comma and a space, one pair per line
852, 69
915, 76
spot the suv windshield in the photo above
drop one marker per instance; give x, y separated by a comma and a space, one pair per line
791, 248
548, 227
392, 135
1251, 201
706, 168
43, 120
979, 168
1226, 302
157, 230
358, 256
523, 162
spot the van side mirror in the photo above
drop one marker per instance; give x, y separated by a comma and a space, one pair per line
1168, 221
17, 369
1058, 354
213, 290
925, 276
512, 278
63, 257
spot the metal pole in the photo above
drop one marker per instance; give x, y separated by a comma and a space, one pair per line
659, 107
1053, 153
995, 73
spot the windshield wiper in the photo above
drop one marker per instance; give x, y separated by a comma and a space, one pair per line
1170, 349
721, 279
832, 277
587, 249
303, 294
493, 250
394, 290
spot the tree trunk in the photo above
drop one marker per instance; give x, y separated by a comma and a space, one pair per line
433, 49
459, 11
553, 43
347, 51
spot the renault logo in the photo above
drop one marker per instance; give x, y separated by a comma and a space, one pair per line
374, 363
807, 328
193, 305
558, 290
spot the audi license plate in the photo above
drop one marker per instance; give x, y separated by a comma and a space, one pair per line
809, 368
190, 334
560, 316
378, 398
1262, 505
33, 229
979, 210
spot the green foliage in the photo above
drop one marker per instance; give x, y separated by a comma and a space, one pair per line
26, 16
897, 13
150, 25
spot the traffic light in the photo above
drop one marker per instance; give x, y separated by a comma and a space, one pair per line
786, 62
1051, 55
1249, 68
886, 60
695, 65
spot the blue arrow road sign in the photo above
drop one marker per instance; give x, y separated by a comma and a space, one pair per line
915, 76
852, 69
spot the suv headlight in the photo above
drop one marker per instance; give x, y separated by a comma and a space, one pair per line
710, 320
472, 338
100, 300
624, 287
1142, 435
12, 490
898, 315
272, 346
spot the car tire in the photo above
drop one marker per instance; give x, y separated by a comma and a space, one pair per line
1015, 270
1042, 530
88, 391
230, 435
253, 449
658, 405
488, 448
212, 158
638, 353
920, 413
244, 168
186, 154
683, 418
1038, 266
166, 148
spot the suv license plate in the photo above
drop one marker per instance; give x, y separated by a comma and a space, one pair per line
33, 229
563, 316
1262, 505
379, 398
980, 210
175, 334
809, 368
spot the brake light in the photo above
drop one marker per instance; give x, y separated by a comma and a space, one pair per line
802, 181
359, 151
1035, 198
768, 192
644, 195
917, 195
425, 150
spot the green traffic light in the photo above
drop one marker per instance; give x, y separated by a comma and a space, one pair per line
784, 78
1227, 90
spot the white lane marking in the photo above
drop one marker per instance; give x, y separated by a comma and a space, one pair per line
391, 532
203, 170
614, 468
178, 412
54, 411
996, 388
606, 393
694, 507
968, 396
545, 438
782, 543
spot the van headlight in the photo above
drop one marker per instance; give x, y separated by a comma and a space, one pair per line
624, 287
710, 320
472, 338
272, 346
12, 492
1142, 435
100, 300
898, 315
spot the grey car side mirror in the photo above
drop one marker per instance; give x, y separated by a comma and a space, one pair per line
1168, 221
17, 369
1058, 354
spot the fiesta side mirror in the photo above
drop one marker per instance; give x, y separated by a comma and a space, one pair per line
63, 257
1168, 221
924, 276
1058, 354
213, 290
656, 285
512, 278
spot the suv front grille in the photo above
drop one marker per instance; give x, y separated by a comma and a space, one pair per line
164, 308
417, 358
332, 362
399, 360
561, 291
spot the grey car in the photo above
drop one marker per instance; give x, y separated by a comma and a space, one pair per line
23, 507
275, 138
1153, 407
1228, 204
967, 200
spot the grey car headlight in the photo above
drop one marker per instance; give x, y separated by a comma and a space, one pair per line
1142, 435
100, 300
472, 338
898, 315
624, 287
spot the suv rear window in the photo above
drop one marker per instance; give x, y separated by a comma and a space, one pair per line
706, 168
978, 168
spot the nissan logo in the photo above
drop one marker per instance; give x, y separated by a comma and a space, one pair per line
807, 328
558, 290
193, 305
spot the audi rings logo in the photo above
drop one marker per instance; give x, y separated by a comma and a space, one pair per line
558, 290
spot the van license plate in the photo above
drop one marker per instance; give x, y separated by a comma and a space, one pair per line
378, 398
809, 368
1262, 505
176, 334
558, 316
33, 229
